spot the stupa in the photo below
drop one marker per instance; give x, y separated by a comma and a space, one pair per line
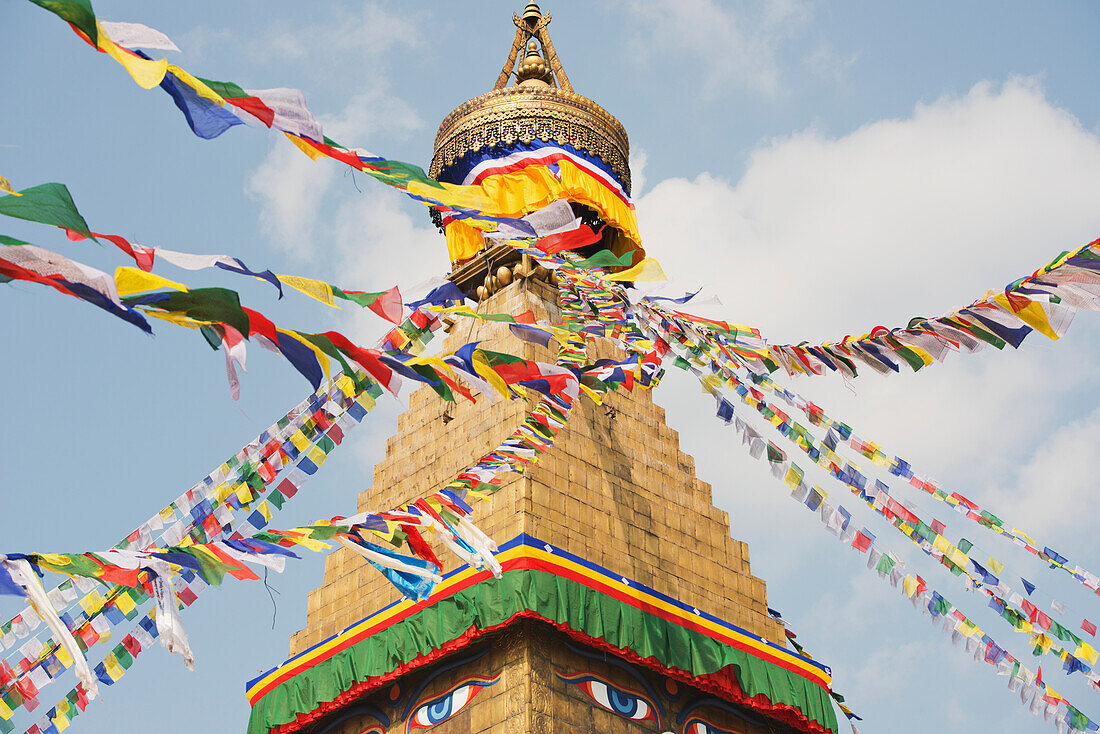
624, 604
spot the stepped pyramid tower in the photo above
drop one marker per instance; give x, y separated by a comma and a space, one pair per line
624, 604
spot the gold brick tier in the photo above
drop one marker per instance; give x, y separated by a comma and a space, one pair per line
615, 489
526, 113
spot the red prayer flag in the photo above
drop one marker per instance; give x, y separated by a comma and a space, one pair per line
861, 542
131, 644
1042, 620
1089, 627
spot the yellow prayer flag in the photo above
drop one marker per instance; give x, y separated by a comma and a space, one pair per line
132, 280
6, 187
299, 440
315, 289
176, 319
146, 72
1085, 651
647, 270
92, 602
1025, 536
197, 84
793, 477
995, 566
1042, 641
1032, 314
305, 147
302, 539
244, 493
55, 559
366, 401
111, 664
265, 509
941, 544
467, 197
910, 584
710, 383
5, 712
595, 396
317, 456
63, 656
346, 385
61, 721
222, 491
124, 603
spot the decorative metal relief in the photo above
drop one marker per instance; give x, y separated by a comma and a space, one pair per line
523, 114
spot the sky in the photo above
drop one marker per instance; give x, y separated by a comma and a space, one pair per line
825, 167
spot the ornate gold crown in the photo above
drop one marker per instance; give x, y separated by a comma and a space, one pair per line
540, 105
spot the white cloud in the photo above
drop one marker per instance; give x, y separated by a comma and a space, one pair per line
828, 64
367, 32
1059, 480
379, 244
290, 188
826, 236
638, 160
730, 45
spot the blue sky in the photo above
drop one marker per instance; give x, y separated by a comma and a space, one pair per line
826, 167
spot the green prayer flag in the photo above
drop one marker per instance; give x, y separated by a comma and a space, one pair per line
213, 571
228, 90
607, 259
48, 203
204, 304
965, 545
125, 659
885, 564
77, 12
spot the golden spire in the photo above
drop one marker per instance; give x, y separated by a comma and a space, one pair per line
533, 70
532, 25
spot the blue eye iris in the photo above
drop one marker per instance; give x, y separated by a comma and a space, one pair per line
625, 703
439, 710
448, 705
622, 703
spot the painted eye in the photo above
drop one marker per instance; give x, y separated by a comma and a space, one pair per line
698, 726
441, 708
625, 703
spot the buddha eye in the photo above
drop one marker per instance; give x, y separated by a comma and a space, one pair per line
699, 726
621, 702
441, 708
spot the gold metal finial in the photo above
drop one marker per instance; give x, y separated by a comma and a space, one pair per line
540, 105
532, 14
533, 70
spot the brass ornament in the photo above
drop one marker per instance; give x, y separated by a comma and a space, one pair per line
526, 113
541, 105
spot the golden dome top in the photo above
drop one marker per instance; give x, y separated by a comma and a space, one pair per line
533, 70
540, 106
